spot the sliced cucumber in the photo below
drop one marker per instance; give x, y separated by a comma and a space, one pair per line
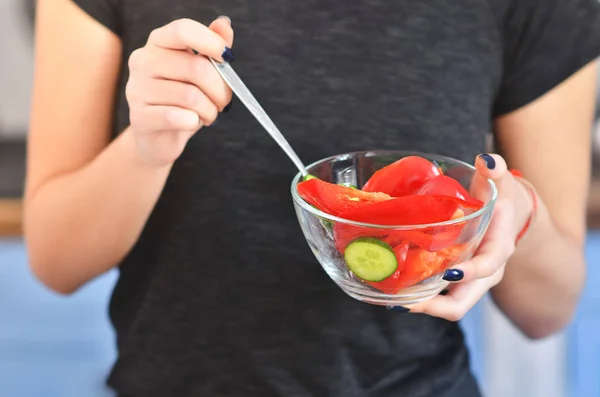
370, 259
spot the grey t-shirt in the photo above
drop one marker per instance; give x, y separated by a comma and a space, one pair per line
222, 296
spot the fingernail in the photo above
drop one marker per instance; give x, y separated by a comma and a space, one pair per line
444, 292
227, 55
453, 275
225, 17
213, 123
228, 107
398, 309
195, 52
489, 161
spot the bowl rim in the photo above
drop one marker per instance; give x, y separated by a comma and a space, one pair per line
302, 203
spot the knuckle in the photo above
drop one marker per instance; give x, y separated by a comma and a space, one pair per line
135, 116
487, 269
136, 91
184, 22
153, 35
190, 96
456, 314
138, 60
176, 119
129, 91
226, 98
172, 117
492, 268
211, 114
181, 27
198, 69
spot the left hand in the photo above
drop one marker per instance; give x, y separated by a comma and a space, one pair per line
486, 268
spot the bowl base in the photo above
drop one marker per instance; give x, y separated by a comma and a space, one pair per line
408, 296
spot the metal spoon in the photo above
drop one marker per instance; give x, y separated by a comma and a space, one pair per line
244, 94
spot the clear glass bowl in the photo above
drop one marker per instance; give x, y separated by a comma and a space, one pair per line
434, 247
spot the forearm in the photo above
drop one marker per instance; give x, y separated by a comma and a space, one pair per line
80, 224
543, 280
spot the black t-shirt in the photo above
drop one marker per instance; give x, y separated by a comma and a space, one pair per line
222, 296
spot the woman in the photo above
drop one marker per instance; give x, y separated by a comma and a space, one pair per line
218, 293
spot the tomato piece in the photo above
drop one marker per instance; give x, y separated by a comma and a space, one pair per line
406, 210
391, 284
403, 177
443, 185
430, 239
335, 199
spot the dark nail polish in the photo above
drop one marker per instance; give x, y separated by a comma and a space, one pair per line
228, 107
444, 292
227, 55
489, 160
453, 275
195, 52
398, 309
225, 17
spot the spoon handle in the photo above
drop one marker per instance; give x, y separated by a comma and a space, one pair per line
244, 94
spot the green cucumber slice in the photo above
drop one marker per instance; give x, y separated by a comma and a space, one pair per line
370, 259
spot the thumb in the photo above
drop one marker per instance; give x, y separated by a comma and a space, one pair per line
222, 26
492, 166
489, 167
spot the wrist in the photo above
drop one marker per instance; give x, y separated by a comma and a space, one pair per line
530, 198
139, 155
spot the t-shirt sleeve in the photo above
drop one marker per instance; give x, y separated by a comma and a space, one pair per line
545, 42
104, 11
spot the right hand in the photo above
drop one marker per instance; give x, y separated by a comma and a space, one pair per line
171, 91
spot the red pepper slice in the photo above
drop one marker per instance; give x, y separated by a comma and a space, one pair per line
406, 210
344, 234
446, 186
335, 199
391, 285
403, 177
430, 239
396, 211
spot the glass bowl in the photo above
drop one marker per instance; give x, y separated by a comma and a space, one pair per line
423, 252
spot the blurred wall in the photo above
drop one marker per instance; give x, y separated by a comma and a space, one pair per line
16, 66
